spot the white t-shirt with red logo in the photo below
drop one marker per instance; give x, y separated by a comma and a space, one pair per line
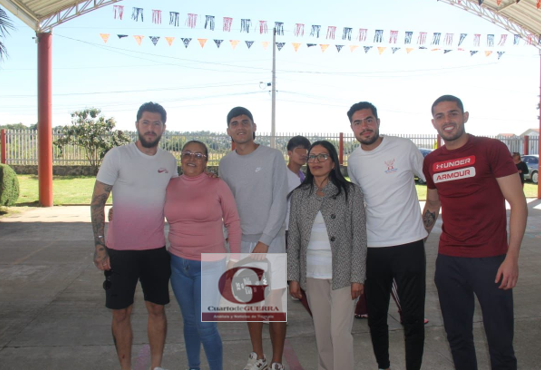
139, 183
386, 177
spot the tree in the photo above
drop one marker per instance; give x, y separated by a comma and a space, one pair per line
92, 132
5, 26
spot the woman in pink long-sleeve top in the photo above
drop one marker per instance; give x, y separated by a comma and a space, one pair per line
196, 207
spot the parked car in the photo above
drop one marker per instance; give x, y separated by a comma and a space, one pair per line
532, 161
424, 152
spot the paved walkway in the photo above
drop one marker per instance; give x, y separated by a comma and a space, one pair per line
52, 313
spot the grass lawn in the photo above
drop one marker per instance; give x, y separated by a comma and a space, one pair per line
78, 190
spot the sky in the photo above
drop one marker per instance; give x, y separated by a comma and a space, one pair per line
199, 85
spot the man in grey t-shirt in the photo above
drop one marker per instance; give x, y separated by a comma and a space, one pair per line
257, 176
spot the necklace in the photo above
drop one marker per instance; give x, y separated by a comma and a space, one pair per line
323, 184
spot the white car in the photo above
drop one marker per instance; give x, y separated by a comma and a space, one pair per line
532, 161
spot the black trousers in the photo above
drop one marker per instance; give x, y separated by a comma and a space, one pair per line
457, 280
407, 265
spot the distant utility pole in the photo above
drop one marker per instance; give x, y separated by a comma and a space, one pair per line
273, 94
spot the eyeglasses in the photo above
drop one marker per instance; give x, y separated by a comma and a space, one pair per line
321, 157
198, 156
107, 284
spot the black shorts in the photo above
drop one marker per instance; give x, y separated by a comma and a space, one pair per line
152, 267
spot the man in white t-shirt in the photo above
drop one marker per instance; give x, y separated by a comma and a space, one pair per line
384, 168
134, 249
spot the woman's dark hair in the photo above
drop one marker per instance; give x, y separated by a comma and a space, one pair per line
335, 176
205, 149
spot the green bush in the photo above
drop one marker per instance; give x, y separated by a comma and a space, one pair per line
9, 186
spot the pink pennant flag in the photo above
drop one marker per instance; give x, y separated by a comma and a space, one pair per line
138, 39
169, 40
105, 37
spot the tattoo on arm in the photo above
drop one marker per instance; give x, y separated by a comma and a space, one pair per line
429, 219
99, 198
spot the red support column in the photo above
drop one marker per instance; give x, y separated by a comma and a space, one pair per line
341, 149
526, 147
3, 143
45, 119
539, 138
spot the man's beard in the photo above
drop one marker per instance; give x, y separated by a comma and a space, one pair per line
370, 141
151, 144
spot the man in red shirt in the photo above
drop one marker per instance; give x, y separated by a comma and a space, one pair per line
471, 178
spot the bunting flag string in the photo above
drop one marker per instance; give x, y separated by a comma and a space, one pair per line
446, 51
331, 31
122, 36
449, 38
234, 43
422, 38
245, 25
174, 19
299, 30
263, 27
363, 32
154, 39
378, 36
490, 40
265, 44
136, 13
353, 47
476, 39
500, 53
218, 43
202, 42
436, 38
367, 49
118, 11
409, 50
315, 30
209, 22
473, 52
339, 47
170, 40
311, 45
191, 20
516, 39
249, 44
279, 28
408, 37
346, 34
395, 49
394, 37
323, 47
156, 16
488, 52
381, 49
503, 39
296, 45
105, 37
280, 45
138, 39
227, 24
186, 41
462, 38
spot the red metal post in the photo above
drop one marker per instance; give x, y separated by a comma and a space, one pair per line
526, 147
539, 138
45, 119
3, 149
341, 149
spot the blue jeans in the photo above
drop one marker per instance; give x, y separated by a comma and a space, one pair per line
186, 284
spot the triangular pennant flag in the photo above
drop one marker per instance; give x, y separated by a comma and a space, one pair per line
296, 45
473, 52
186, 41
218, 43
265, 44
488, 52
339, 47
409, 50
122, 36
422, 48
500, 53
154, 39
446, 51
381, 49
437, 49
234, 43
353, 47
280, 45
169, 40
367, 49
323, 47
395, 50
249, 44
105, 37
202, 42
138, 39
310, 45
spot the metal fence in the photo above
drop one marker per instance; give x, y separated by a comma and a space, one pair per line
21, 146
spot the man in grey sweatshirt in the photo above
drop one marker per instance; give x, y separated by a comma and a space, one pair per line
257, 176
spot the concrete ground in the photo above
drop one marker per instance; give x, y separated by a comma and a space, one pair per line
52, 313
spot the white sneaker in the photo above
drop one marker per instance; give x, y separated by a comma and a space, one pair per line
277, 366
255, 364
159, 368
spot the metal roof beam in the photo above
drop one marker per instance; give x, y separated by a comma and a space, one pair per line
21, 12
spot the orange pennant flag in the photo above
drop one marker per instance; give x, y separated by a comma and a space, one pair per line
170, 40
435, 49
296, 45
353, 47
105, 36
488, 52
381, 49
202, 42
138, 39
234, 43
265, 44
409, 50
324, 47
